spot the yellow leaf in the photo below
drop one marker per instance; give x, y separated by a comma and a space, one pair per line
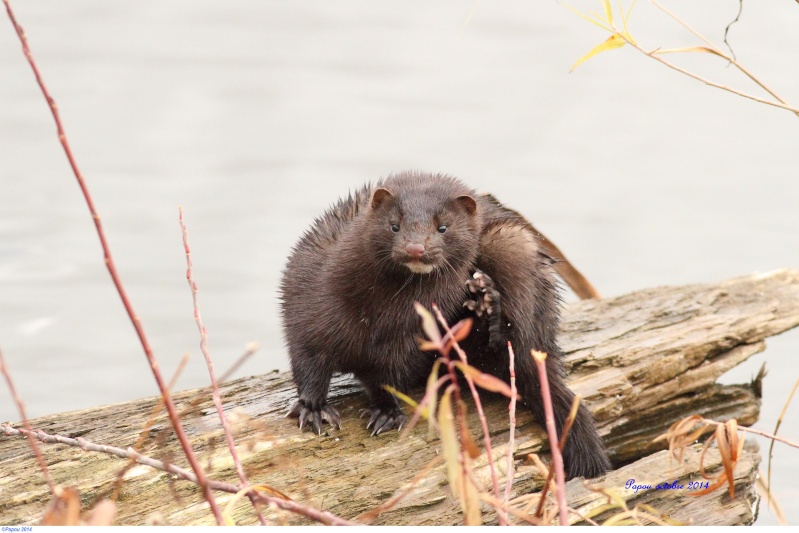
461, 487
614, 41
538, 356
449, 443
627, 16
590, 19
432, 394
427, 346
608, 11
405, 398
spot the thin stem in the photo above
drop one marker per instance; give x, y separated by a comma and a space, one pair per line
756, 432
147, 427
690, 74
369, 516
552, 432
478, 405
26, 422
719, 52
129, 453
461, 416
512, 414
216, 394
250, 349
776, 429
109, 263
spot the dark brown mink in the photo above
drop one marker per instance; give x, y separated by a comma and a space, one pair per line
350, 283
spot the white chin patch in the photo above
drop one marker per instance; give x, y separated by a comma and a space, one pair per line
419, 268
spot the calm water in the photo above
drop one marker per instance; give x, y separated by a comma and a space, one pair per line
255, 117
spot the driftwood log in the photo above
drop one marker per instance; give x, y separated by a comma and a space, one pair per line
642, 362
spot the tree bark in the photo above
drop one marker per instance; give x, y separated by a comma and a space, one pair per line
642, 361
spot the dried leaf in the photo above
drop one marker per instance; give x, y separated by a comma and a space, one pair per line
457, 333
467, 441
461, 330
103, 514
461, 487
725, 450
730, 446
63, 509
429, 325
428, 346
486, 381
614, 41
682, 434
614, 498
624, 518
653, 515
538, 356
266, 489
449, 443
432, 394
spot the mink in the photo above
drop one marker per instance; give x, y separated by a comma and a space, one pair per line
350, 283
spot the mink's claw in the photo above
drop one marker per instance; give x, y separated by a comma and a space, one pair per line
384, 419
314, 416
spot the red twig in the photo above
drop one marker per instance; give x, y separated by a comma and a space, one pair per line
288, 505
512, 415
21, 408
477, 403
562, 445
109, 263
145, 432
216, 394
557, 458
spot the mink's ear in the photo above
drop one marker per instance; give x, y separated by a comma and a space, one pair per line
379, 196
467, 203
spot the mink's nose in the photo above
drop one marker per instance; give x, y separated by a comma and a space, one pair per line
415, 251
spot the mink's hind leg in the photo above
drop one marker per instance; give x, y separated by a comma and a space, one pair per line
384, 412
524, 278
313, 381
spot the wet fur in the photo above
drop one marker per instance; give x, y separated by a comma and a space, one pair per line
347, 301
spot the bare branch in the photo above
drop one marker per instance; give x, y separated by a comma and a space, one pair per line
23, 415
109, 263
216, 394
129, 453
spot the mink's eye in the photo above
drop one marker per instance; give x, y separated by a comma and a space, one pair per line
442, 228
395, 228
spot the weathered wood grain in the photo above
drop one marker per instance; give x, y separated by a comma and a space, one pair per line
642, 361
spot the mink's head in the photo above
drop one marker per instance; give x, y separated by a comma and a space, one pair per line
423, 223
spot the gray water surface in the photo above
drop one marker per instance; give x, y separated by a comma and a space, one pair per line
257, 116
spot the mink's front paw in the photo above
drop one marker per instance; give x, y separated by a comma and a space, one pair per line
485, 298
382, 419
314, 415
